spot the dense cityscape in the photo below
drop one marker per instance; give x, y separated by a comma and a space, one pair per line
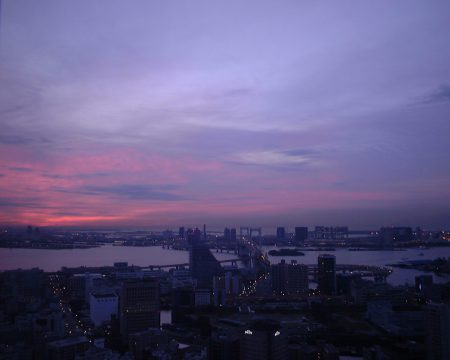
245, 307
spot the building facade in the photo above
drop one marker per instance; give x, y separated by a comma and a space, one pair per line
139, 306
202, 263
300, 235
102, 307
289, 278
327, 274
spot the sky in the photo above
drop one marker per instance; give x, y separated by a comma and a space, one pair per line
229, 113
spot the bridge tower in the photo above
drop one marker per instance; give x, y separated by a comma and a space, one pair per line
245, 229
258, 231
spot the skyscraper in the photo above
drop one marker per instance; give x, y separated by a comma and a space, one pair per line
327, 274
331, 233
229, 235
202, 263
139, 306
233, 235
301, 234
281, 233
193, 235
289, 278
225, 286
297, 278
437, 330
390, 235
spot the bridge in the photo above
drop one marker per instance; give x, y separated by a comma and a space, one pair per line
250, 254
186, 265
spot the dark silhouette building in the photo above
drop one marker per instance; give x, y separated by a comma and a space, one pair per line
193, 236
23, 285
289, 278
139, 306
181, 232
327, 274
229, 235
233, 236
281, 233
202, 263
390, 235
331, 233
301, 234
437, 329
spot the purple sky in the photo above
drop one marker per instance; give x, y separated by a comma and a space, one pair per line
225, 112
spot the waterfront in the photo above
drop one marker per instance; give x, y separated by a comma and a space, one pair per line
53, 260
375, 258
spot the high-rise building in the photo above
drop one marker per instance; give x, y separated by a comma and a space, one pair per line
193, 236
181, 232
23, 285
139, 306
289, 278
437, 329
225, 286
330, 232
229, 235
264, 340
301, 234
92, 281
281, 233
233, 236
202, 263
76, 286
389, 235
297, 278
327, 274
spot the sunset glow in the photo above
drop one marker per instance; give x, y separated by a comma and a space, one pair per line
148, 116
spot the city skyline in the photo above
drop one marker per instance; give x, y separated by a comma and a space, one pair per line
286, 114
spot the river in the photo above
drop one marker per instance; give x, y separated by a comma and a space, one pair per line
53, 260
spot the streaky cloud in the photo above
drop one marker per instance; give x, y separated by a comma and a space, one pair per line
439, 95
275, 158
129, 191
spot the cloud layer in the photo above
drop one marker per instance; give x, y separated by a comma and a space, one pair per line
163, 113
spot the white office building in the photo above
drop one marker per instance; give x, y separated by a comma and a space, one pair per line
102, 306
